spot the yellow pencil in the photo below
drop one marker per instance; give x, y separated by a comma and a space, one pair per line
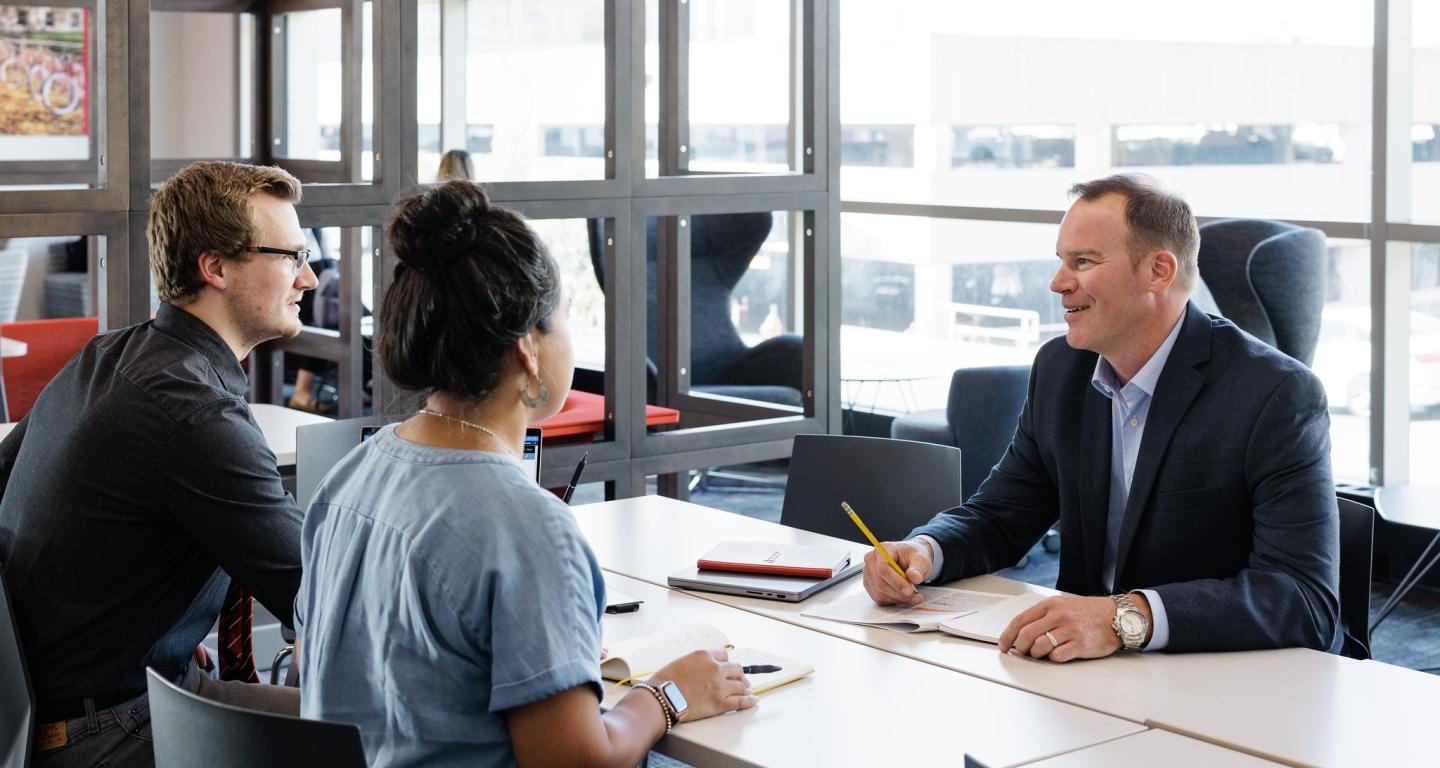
861, 524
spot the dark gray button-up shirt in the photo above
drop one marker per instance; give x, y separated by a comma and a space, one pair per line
135, 484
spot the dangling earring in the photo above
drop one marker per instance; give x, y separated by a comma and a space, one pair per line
535, 401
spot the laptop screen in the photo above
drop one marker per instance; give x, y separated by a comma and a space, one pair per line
530, 456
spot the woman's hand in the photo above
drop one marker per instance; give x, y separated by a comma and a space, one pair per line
711, 683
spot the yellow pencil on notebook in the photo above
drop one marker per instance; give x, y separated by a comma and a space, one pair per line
861, 524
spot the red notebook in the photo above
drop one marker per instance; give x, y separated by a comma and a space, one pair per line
812, 562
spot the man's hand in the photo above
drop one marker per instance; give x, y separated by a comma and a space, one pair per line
1080, 627
885, 585
202, 658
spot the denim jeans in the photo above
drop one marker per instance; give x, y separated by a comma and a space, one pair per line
115, 737
119, 737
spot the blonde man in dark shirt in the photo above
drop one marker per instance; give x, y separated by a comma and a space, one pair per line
140, 484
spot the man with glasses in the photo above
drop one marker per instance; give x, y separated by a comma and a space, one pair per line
140, 485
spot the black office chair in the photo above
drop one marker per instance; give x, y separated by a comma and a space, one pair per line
17, 697
191, 730
1357, 538
894, 485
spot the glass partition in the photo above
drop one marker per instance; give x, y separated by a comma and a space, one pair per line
201, 92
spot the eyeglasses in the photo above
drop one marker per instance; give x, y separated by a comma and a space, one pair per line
298, 259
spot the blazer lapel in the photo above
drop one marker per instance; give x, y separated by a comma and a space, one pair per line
1178, 385
1094, 485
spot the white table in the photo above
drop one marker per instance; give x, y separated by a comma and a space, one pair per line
847, 713
279, 424
1153, 748
276, 422
1294, 705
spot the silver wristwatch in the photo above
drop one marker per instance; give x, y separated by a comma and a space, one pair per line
1130, 623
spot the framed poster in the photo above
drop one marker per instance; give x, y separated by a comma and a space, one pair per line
44, 71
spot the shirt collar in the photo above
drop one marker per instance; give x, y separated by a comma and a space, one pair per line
1105, 380
197, 334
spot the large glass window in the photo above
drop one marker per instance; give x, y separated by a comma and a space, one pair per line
1342, 356
1423, 362
1250, 109
738, 87
199, 102
312, 84
1425, 113
927, 296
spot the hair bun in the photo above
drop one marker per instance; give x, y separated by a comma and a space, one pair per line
430, 227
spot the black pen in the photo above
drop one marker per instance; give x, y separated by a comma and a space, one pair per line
759, 669
575, 479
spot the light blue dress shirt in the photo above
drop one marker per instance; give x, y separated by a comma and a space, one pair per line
441, 588
1129, 412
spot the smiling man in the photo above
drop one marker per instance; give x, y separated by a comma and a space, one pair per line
1186, 462
140, 483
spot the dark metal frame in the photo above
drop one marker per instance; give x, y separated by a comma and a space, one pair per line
335, 196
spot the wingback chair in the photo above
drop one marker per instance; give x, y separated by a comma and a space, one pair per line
721, 249
1268, 277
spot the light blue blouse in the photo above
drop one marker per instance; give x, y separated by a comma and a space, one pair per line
440, 588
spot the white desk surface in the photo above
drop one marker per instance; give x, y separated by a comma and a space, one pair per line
1150, 749
1295, 705
279, 423
13, 347
840, 715
276, 422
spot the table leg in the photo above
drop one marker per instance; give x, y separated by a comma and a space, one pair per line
1422, 566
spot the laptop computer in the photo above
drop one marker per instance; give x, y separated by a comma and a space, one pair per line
530, 454
319, 447
789, 589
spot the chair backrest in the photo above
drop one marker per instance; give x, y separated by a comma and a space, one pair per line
51, 345
12, 281
721, 249
1357, 539
17, 698
894, 485
984, 406
326, 312
1268, 277
191, 730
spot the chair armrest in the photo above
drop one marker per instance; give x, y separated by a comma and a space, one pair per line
923, 426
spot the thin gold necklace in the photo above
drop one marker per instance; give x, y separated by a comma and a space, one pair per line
471, 425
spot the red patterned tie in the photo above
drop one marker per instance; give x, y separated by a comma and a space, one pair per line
236, 663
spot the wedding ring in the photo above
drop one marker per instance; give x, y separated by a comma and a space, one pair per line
1053, 642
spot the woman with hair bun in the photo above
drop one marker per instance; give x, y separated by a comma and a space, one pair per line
449, 606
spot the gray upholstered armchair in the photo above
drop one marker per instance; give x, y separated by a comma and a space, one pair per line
1268, 277
979, 419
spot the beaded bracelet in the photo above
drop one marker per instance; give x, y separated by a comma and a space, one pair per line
664, 705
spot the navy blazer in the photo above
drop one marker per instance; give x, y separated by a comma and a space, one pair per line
1231, 516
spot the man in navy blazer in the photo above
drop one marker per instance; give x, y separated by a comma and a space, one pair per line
1187, 462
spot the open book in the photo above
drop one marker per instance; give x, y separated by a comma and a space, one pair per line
976, 615
637, 658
